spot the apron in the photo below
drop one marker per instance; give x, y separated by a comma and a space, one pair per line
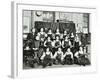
72, 40
82, 60
57, 43
47, 59
68, 59
48, 44
58, 56
66, 46
76, 46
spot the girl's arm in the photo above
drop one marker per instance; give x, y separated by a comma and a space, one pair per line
76, 54
71, 55
60, 43
69, 43
63, 44
65, 54
51, 55
62, 56
42, 57
45, 43
55, 55
80, 43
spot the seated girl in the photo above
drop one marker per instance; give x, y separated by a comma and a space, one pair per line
50, 34
66, 44
48, 43
68, 57
57, 33
42, 34
65, 34
57, 43
58, 57
77, 44
81, 57
46, 58
72, 39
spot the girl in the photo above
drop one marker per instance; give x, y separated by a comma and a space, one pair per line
58, 57
77, 44
57, 43
72, 39
32, 35
46, 58
57, 33
66, 44
36, 48
68, 57
81, 57
65, 34
42, 34
48, 43
50, 34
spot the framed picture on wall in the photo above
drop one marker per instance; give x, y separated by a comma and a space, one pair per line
49, 40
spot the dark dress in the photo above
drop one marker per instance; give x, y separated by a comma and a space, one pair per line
58, 59
76, 46
68, 60
36, 45
26, 55
82, 60
51, 36
66, 45
49, 45
42, 36
31, 36
72, 40
47, 60
57, 45
64, 36
30, 40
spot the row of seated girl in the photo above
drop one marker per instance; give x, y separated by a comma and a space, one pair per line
61, 58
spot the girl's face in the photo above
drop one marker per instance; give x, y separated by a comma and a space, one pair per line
47, 49
48, 38
72, 34
57, 30
37, 37
50, 31
33, 30
65, 32
81, 49
59, 49
41, 29
57, 38
68, 49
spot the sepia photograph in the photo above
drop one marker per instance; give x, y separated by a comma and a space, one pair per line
55, 39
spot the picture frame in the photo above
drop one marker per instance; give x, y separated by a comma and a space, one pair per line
17, 56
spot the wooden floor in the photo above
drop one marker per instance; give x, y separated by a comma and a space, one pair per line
53, 66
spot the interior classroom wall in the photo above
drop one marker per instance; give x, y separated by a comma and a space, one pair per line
78, 18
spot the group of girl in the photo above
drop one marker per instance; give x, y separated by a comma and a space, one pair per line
48, 48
